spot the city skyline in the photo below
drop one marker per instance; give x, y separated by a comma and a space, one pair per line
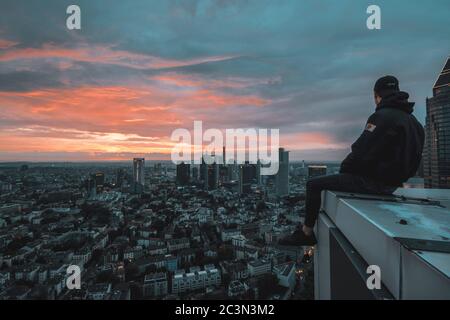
221, 157
116, 89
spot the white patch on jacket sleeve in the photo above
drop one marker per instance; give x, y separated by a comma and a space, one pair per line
370, 127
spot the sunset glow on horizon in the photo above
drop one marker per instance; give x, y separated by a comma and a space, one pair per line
134, 73
105, 122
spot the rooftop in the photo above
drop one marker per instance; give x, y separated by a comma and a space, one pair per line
407, 235
285, 268
444, 77
258, 263
155, 276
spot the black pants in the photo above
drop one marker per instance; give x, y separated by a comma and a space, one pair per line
339, 182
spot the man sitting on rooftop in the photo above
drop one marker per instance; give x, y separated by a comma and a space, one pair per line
386, 155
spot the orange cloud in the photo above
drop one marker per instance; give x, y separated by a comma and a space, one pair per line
89, 108
110, 119
5, 44
121, 119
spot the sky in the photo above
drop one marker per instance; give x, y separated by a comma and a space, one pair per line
137, 70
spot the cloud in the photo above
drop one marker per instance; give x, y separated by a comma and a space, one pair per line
105, 119
141, 70
28, 80
102, 55
6, 44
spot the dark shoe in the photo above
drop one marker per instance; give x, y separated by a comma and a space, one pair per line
298, 238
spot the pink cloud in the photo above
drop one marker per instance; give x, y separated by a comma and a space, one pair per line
105, 119
196, 81
5, 44
99, 54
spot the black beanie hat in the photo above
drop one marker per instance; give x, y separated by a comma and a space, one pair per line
386, 85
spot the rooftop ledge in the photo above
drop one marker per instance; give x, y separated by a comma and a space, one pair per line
406, 235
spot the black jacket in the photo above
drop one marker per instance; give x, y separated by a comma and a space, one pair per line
390, 148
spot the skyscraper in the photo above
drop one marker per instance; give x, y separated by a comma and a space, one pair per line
258, 173
213, 176
224, 159
246, 178
232, 171
195, 173
138, 174
282, 177
249, 174
204, 173
436, 158
209, 174
183, 174
223, 169
120, 177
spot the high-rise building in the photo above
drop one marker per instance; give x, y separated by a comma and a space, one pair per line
436, 159
301, 170
223, 173
315, 171
99, 179
224, 159
232, 171
258, 173
183, 173
138, 174
213, 176
249, 174
195, 173
120, 177
91, 187
246, 176
282, 177
209, 174
204, 173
